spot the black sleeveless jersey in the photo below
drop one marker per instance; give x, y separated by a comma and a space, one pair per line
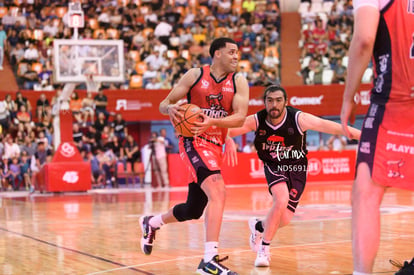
283, 143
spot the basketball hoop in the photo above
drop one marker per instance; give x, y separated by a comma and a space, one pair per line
92, 85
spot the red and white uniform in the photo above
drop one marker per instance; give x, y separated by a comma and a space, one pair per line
215, 98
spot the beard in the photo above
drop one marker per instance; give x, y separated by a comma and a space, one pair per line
274, 113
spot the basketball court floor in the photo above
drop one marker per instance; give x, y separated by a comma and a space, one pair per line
97, 232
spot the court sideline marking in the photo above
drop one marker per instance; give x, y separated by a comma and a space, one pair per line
76, 251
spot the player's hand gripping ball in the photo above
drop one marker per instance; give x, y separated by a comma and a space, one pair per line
191, 114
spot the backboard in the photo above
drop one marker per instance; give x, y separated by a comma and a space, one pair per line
75, 60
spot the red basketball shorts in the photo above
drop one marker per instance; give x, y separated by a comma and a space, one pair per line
387, 144
200, 156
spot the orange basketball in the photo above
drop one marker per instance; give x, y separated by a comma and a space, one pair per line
191, 114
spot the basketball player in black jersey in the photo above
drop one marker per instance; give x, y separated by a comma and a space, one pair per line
280, 142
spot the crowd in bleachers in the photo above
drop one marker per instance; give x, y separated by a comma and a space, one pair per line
326, 35
27, 139
162, 39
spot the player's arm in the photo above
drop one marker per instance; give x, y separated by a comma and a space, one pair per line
248, 126
230, 152
171, 105
360, 52
240, 104
310, 122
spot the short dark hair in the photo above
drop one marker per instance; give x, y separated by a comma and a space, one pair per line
220, 43
274, 88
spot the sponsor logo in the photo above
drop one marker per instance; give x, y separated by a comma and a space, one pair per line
369, 122
262, 132
256, 102
274, 139
296, 101
406, 149
256, 168
67, 150
362, 98
212, 271
335, 166
394, 168
70, 177
131, 105
365, 147
213, 163
204, 84
227, 89
195, 159
293, 193
314, 166
228, 83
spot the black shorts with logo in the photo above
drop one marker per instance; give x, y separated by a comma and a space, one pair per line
293, 174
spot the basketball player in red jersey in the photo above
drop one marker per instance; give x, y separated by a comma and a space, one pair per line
223, 96
384, 29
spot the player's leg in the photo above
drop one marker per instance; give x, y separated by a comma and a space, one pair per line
366, 201
215, 190
193, 208
280, 195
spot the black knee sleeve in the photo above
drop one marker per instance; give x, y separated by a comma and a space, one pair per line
193, 208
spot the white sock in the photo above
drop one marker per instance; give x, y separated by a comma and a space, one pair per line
156, 221
210, 250
360, 273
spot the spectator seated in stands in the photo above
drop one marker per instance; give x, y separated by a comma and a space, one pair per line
42, 107
23, 117
27, 76
339, 72
119, 128
101, 101
15, 176
31, 54
88, 108
75, 105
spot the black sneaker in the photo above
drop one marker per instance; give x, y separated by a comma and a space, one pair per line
406, 269
148, 234
214, 267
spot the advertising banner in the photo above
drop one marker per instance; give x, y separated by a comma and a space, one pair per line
322, 166
142, 105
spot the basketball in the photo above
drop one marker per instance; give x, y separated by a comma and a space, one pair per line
191, 114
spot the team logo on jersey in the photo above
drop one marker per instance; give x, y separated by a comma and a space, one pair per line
214, 101
394, 168
204, 84
293, 193
276, 139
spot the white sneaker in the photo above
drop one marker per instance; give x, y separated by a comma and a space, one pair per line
263, 257
255, 236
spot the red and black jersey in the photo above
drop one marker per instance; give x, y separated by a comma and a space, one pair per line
394, 53
215, 98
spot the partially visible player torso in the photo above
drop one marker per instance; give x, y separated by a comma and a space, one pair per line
215, 99
283, 143
394, 52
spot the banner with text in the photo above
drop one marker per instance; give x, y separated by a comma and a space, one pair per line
322, 166
142, 105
